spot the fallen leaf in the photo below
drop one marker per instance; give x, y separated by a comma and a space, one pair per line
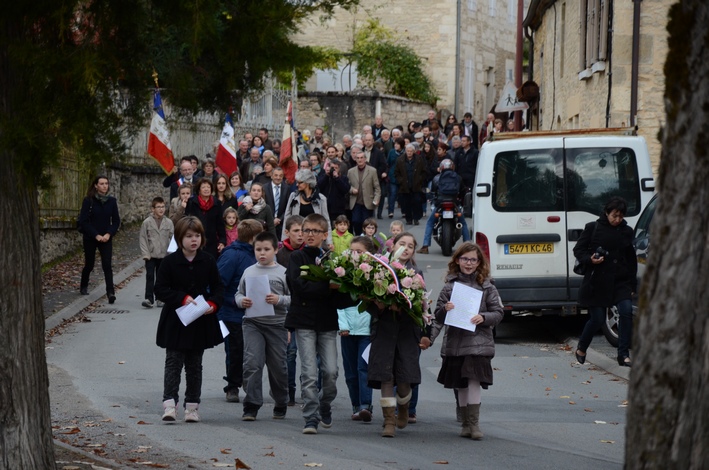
73, 431
600, 422
142, 422
441, 462
225, 451
554, 376
270, 454
121, 362
313, 464
572, 403
548, 389
586, 382
239, 464
607, 442
564, 396
107, 420
158, 465
614, 423
588, 410
221, 464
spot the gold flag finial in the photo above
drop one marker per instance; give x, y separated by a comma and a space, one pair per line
155, 78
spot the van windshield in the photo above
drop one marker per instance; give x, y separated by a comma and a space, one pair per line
526, 181
601, 174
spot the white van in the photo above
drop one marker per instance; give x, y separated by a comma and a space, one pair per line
535, 192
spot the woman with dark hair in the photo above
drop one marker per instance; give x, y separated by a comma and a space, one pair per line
254, 207
258, 143
208, 210
222, 191
307, 200
411, 128
208, 169
605, 247
237, 186
270, 163
450, 122
98, 222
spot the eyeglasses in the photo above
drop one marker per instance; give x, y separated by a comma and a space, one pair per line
312, 231
463, 259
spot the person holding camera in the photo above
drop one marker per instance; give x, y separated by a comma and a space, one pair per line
334, 185
605, 247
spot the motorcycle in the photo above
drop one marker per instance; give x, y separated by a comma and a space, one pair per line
447, 229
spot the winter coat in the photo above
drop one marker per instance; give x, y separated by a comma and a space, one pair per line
265, 216
615, 279
178, 278
341, 242
318, 203
460, 342
420, 174
350, 319
99, 218
335, 190
232, 263
153, 240
466, 164
212, 221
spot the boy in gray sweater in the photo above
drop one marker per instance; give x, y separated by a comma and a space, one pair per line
265, 337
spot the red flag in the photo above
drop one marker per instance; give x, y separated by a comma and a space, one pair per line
289, 159
226, 153
159, 139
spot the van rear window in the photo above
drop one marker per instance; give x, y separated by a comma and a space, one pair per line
526, 181
598, 175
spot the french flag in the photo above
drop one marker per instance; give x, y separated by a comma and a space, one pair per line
226, 153
289, 158
159, 140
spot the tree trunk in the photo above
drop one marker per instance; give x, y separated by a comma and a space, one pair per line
25, 420
669, 387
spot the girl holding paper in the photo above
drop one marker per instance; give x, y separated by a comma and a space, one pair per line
467, 354
183, 276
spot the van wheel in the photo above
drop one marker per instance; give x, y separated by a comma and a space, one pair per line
447, 238
610, 326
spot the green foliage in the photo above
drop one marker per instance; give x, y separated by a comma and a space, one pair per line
77, 74
382, 56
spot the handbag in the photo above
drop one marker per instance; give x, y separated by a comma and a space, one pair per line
79, 228
580, 268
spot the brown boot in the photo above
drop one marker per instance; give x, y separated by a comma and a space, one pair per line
388, 408
474, 413
423, 250
402, 412
465, 430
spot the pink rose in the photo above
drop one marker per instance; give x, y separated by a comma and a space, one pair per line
397, 265
406, 282
418, 282
340, 271
392, 288
365, 267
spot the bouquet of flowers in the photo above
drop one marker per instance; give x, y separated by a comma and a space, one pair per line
375, 278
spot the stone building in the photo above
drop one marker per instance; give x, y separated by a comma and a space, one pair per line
468, 46
583, 61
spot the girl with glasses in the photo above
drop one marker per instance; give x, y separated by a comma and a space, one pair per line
466, 354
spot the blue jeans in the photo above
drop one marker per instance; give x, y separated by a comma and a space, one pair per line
596, 317
312, 343
359, 214
393, 192
428, 233
291, 353
356, 370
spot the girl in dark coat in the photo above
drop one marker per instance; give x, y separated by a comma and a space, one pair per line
98, 222
208, 210
183, 276
605, 247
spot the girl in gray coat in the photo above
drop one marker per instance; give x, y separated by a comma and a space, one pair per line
467, 354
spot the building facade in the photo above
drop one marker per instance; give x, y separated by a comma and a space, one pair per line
599, 63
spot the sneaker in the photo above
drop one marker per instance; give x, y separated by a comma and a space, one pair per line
159, 303
147, 303
279, 412
232, 396
191, 414
111, 298
84, 291
250, 412
291, 403
326, 419
423, 250
391, 216
412, 418
311, 426
365, 415
169, 411
356, 417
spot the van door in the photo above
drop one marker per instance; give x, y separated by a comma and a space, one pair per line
594, 175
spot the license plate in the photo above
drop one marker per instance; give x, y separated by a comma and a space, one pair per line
447, 214
528, 248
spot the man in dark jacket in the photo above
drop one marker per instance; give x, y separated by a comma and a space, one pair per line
277, 187
466, 162
334, 185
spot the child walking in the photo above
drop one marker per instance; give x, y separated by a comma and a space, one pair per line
183, 276
231, 219
466, 354
265, 337
155, 235
354, 339
341, 235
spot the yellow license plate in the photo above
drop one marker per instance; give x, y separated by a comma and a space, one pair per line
528, 248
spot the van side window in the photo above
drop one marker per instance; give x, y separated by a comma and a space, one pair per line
527, 181
600, 174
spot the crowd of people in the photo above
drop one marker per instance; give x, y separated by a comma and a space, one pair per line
233, 231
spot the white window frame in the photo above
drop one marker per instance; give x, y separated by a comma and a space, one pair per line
594, 22
492, 8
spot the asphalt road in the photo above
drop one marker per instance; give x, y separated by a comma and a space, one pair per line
544, 411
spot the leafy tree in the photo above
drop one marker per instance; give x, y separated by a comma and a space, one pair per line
669, 395
382, 56
77, 74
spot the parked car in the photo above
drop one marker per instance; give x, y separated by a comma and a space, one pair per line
641, 241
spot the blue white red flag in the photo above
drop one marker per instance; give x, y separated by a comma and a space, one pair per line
159, 139
226, 153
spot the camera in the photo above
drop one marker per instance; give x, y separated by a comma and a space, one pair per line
332, 171
600, 252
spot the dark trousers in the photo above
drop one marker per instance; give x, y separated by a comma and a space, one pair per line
175, 360
596, 317
151, 268
291, 354
411, 206
234, 348
359, 214
384, 186
105, 249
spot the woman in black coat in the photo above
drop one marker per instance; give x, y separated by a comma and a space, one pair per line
605, 248
98, 223
208, 210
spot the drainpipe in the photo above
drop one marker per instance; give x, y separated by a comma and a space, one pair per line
457, 56
530, 75
635, 61
518, 60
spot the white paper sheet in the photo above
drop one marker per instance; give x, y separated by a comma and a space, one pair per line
190, 312
467, 304
172, 247
365, 353
223, 327
257, 288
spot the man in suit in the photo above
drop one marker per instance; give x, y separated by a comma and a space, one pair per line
186, 176
247, 166
471, 129
276, 195
365, 192
376, 158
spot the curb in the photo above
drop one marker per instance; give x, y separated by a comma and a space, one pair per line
110, 464
85, 300
602, 361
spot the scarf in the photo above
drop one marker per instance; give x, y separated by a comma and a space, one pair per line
258, 206
205, 205
314, 196
102, 199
